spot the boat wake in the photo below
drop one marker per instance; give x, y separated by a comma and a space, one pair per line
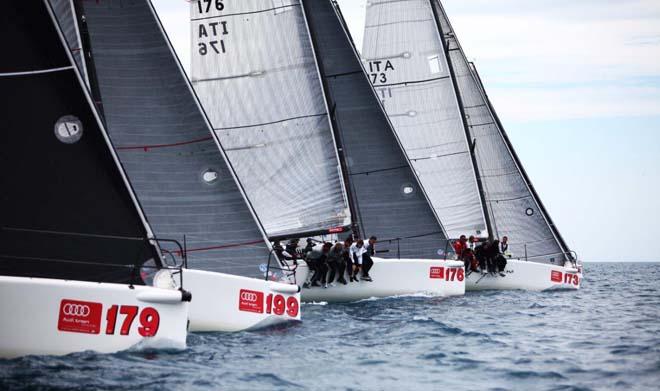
157, 345
426, 295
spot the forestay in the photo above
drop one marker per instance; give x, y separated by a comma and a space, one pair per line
405, 60
165, 142
67, 211
254, 71
512, 203
385, 193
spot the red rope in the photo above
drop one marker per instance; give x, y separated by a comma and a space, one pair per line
146, 148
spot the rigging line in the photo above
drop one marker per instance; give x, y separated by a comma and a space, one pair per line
405, 83
63, 233
59, 260
146, 148
377, 171
231, 245
412, 237
246, 13
273, 122
37, 72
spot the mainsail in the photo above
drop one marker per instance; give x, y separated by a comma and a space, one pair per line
253, 68
405, 60
187, 188
67, 210
385, 194
512, 207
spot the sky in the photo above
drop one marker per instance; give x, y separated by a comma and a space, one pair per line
576, 84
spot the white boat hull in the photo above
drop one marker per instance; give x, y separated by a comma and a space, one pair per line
58, 317
228, 303
392, 277
530, 276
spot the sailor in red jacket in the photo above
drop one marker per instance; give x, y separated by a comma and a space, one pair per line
460, 245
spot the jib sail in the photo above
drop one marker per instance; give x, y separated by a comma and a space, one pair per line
178, 169
253, 68
66, 207
385, 193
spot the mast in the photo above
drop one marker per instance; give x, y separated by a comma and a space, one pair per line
518, 163
356, 219
471, 142
87, 57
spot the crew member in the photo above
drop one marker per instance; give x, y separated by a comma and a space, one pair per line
357, 251
480, 252
460, 245
348, 262
504, 246
292, 249
367, 261
336, 264
316, 259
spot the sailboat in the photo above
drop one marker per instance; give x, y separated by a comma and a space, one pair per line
312, 143
178, 169
76, 254
418, 66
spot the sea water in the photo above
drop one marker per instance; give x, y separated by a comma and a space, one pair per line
605, 336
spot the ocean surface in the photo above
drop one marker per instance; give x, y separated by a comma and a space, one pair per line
606, 336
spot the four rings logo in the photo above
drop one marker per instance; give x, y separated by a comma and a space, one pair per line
251, 301
81, 310
80, 316
248, 296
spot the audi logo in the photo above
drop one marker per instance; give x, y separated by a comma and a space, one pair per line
76, 309
249, 296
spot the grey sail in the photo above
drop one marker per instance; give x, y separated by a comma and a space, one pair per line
66, 16
253, 68
165, 143
404, 57
385, 193
514, 206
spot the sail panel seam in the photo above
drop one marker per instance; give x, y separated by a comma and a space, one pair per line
438, 156
377, 171
272, 122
